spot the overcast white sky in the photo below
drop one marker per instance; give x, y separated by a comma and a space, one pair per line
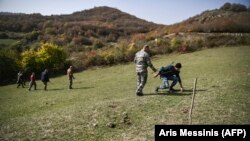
157, 11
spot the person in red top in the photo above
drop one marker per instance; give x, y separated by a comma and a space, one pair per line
32, 81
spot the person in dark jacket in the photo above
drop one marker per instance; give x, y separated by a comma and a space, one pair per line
167, 73
45, 78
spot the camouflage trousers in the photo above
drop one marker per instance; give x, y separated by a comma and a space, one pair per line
141, 81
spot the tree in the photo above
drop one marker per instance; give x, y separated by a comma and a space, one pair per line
175, 43
51, 56
234, 7
48, 56
226, 6
238, 8
32, 35
8, 65
29, 61
81, 41
4, 35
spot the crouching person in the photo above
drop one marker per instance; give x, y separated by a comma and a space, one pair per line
169, 73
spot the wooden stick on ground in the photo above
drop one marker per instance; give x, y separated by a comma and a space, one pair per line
192, 102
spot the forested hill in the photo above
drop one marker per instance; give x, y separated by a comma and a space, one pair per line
79, 35
228, 18
102, 24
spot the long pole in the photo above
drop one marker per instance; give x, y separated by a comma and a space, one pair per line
192, 102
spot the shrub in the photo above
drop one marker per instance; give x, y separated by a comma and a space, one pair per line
119, 53
130, 53
51, 30
108, 57
4, 35
29, 61
195, 44
98, 44
175, 44
81, 41
162, 46
51, 56
48, 56
32, 35
8, 65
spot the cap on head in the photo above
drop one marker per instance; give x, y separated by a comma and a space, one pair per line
178, 65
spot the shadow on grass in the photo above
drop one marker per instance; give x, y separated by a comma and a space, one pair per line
199, 90
56, 89
167, 93
175, 93
45, 90
60, 89
83, 88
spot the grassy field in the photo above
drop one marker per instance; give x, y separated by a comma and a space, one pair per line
7, 42
107, 95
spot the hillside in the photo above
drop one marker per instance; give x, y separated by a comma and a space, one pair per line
99, 16
102, 26
92, 28
232, 18
107, 95
106, 36
77, 34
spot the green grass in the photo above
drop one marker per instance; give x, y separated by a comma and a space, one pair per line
103, 95
7, 42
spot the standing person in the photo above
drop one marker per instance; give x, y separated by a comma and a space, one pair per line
142, 61
24, 78
32, 81
45, 78
167, 73
20, 79
70, 76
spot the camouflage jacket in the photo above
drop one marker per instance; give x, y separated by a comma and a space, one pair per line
143, 61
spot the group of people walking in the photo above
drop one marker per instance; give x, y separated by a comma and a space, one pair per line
142, 61
44, 79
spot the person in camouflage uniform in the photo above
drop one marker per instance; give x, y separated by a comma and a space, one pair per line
70, 76
142, 61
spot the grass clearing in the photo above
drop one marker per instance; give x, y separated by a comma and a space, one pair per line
106, 95
7, 42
